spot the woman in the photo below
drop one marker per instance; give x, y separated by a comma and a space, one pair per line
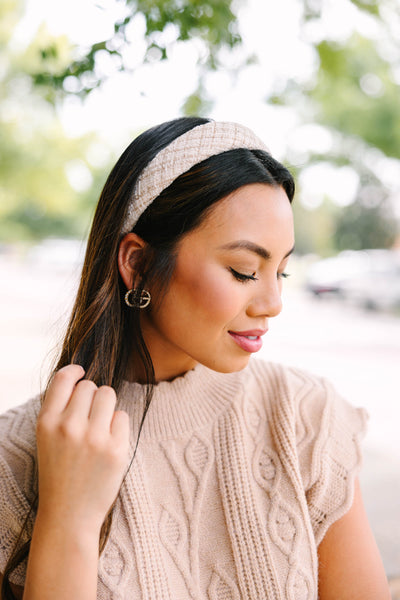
244, 482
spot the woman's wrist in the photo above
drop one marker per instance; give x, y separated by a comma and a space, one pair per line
63, 559
68, 525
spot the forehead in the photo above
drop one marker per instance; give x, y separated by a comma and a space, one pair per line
257, 211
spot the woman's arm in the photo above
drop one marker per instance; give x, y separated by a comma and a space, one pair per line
62, 561
350, 567
62, 564
83, 447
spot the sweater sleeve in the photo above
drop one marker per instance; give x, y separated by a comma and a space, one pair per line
18, 484
329, 432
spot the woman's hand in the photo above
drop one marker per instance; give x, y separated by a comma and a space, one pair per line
83, 450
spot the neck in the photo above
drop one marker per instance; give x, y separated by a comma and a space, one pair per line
163, 370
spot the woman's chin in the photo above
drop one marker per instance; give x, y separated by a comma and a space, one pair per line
228, 366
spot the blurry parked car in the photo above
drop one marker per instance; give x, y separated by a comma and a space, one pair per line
328, 276
368, 278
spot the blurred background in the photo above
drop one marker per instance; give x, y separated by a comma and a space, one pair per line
318, 80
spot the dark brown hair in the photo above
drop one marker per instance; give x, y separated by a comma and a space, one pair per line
103, 334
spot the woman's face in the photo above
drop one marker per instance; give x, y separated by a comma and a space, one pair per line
226, 285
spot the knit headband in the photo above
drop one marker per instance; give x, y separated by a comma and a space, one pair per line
182, 154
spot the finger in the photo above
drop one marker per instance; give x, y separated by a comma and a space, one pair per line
102, 409
120, 426
81, 399
61, 388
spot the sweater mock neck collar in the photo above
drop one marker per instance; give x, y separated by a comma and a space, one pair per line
180, 405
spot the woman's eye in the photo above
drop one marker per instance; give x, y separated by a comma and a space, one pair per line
242, 277
283, 275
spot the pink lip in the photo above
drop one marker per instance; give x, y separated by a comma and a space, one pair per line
240, 337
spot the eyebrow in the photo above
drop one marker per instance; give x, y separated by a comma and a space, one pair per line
252, 247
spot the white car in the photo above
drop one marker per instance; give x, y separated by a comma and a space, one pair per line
369, 278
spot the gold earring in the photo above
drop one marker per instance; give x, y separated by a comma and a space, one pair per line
136, 299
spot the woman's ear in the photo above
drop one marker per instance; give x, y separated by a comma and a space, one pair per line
130, 249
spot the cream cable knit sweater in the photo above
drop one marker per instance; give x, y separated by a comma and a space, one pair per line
237, 478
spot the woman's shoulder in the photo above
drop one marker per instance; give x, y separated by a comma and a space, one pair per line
18, 449
307, 404
18, 424
312, 426
18, 484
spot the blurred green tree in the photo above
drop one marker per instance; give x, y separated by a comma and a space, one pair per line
211, 22
315, 229
357, 93
38, 197
42, 193
353, 93
359, 227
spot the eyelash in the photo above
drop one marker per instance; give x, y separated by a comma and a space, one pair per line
243, 278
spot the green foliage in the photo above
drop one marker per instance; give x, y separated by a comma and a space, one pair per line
370, 6
197, 104
28, 222
359, 227
211, 21
315, 229
10, 13
313, 8
36, 197
356, 93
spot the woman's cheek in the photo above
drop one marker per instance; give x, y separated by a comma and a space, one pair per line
216, 294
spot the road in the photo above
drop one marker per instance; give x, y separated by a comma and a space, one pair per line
358, 351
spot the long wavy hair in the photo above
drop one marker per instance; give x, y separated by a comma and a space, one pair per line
104, 335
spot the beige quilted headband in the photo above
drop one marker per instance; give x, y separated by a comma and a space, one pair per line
182, 154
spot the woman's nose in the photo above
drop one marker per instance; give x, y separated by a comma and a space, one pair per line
267, 303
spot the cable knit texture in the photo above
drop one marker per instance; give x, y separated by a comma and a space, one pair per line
182, 154
237, 478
